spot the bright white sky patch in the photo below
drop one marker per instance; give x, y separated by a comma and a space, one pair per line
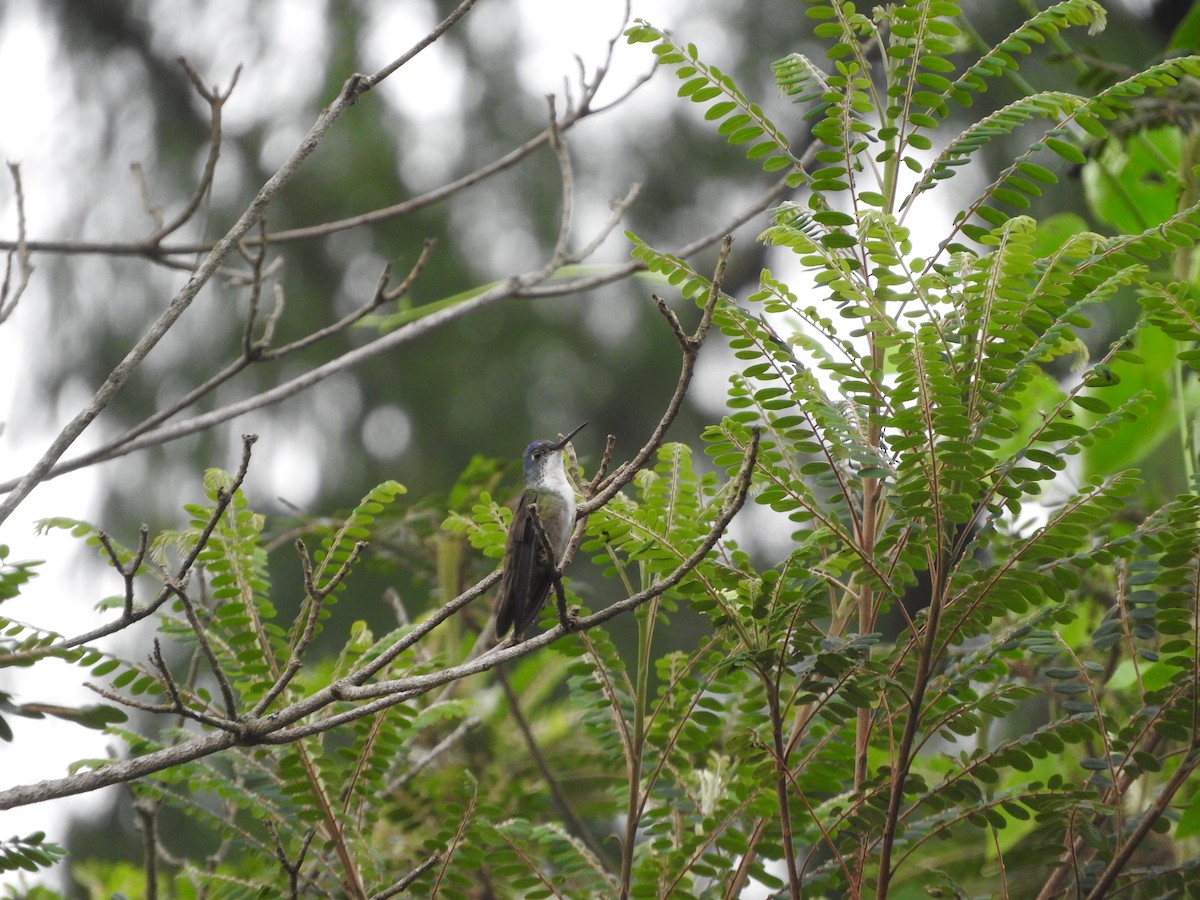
36, 120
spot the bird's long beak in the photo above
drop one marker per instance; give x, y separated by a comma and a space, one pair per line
567, 439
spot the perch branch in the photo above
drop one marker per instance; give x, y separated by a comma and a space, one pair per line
274, 728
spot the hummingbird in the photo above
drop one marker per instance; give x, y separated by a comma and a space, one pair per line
528, 574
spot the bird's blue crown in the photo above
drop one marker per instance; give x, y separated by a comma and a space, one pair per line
538, 448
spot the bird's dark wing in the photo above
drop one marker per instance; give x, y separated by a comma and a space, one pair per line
526, 581
520, 560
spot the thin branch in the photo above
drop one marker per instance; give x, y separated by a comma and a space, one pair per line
210, 656
1121, 858
272, 320
127, 572
769, 198
168, 709
514, 286
606, 458
330, 722
224, 498
252, 352
256, 258
315, 599
147, 819
427, 625
403, 884
165, 676
384, 293
543, 766
215, 98
567, 176
10, 295
291, 866
441, 28
519, 286
153, 210
455, 737
176, 707
690, 345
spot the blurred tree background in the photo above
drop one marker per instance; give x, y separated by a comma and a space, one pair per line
107, 91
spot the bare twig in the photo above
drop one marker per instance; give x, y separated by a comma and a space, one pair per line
147, 817
690, 345
515, 286
401, 885
224, 498
389, 656
127, 572
291, 866
539, 759
214, 664
464, 728
215, 98
567, 174
315, 599
384, 293
153, 210
272, 320
256, 257
10, 295
606, 458
165, 676
253, 351
769, 198
168, 709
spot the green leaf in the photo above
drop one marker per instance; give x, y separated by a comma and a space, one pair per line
1134, 183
